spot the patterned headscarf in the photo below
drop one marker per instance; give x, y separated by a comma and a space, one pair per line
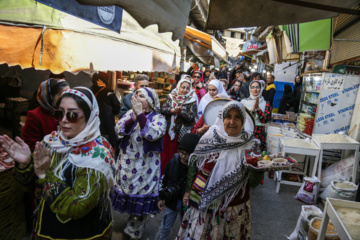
151, 97
44, 94
89, 135
229, 175
179, 100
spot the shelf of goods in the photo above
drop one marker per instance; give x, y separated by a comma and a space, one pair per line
327, 103
334, 142
344, 215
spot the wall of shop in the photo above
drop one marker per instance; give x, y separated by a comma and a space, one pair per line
31, 79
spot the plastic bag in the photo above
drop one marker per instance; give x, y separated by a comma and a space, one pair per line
309, 191
344, 193
302, 225
339, 170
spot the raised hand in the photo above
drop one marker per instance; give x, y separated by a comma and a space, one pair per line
256, 105
19, 150
42, 160
136, 105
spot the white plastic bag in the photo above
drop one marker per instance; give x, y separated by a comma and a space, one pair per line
309, 190
302, 225
339, 170
344, 193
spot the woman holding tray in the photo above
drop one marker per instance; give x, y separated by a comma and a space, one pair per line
218, 182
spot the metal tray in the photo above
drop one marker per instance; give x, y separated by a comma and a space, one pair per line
251, 153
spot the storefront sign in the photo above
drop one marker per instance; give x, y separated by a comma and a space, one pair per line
334, 82
337, 103
106, 16
248, 45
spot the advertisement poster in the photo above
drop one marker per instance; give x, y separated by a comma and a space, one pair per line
337, 102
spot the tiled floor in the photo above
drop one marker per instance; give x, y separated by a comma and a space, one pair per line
274, 215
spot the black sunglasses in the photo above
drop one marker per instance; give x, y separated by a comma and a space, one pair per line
70, 116
197, 76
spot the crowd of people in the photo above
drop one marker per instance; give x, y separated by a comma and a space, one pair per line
79, 164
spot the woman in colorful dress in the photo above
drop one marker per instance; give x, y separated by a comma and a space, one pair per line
137, 176
179, 109
215, 87
261, 110
75, 172
218, 182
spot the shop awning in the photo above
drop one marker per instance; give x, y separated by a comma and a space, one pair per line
225, 14
204, 46
35, 35
253, 51
169, 15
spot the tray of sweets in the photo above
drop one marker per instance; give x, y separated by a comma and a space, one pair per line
254, 161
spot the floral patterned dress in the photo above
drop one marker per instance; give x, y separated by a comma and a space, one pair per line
72, 197
184, 118
259, 131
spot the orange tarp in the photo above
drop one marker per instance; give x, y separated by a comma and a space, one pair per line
65, 50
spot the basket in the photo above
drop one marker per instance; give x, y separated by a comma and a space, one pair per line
313, 233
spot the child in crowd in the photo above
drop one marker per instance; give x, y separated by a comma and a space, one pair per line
173, 184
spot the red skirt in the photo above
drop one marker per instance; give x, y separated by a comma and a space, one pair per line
169, 149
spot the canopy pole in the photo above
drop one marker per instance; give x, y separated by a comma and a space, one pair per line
183, 57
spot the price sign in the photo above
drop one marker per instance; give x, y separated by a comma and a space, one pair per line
334, 82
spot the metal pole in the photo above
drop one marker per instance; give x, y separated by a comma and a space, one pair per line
183, 57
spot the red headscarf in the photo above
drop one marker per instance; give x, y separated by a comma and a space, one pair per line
201, 74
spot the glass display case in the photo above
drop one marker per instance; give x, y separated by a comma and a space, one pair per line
327, 103
309, 101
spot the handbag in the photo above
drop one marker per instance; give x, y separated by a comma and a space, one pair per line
184, 130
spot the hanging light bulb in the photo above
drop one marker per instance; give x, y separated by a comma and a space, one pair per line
252, 70
268, 73
255, 66
250, 67
264, 71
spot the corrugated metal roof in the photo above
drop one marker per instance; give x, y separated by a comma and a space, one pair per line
344, 19
344, 50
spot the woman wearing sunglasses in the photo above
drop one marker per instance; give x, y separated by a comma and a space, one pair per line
40, 121
261, 110
198, 84
75, 172
137, 177
180, 111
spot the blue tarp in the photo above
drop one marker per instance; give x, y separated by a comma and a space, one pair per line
279, 92
109, 17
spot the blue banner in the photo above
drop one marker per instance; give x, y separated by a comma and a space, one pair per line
109, 17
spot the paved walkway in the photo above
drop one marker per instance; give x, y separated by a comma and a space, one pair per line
274, 215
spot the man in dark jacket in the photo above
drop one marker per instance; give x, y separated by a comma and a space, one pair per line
173, 184
245, 86
270, 89
222, 74
109, 106
141, 80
